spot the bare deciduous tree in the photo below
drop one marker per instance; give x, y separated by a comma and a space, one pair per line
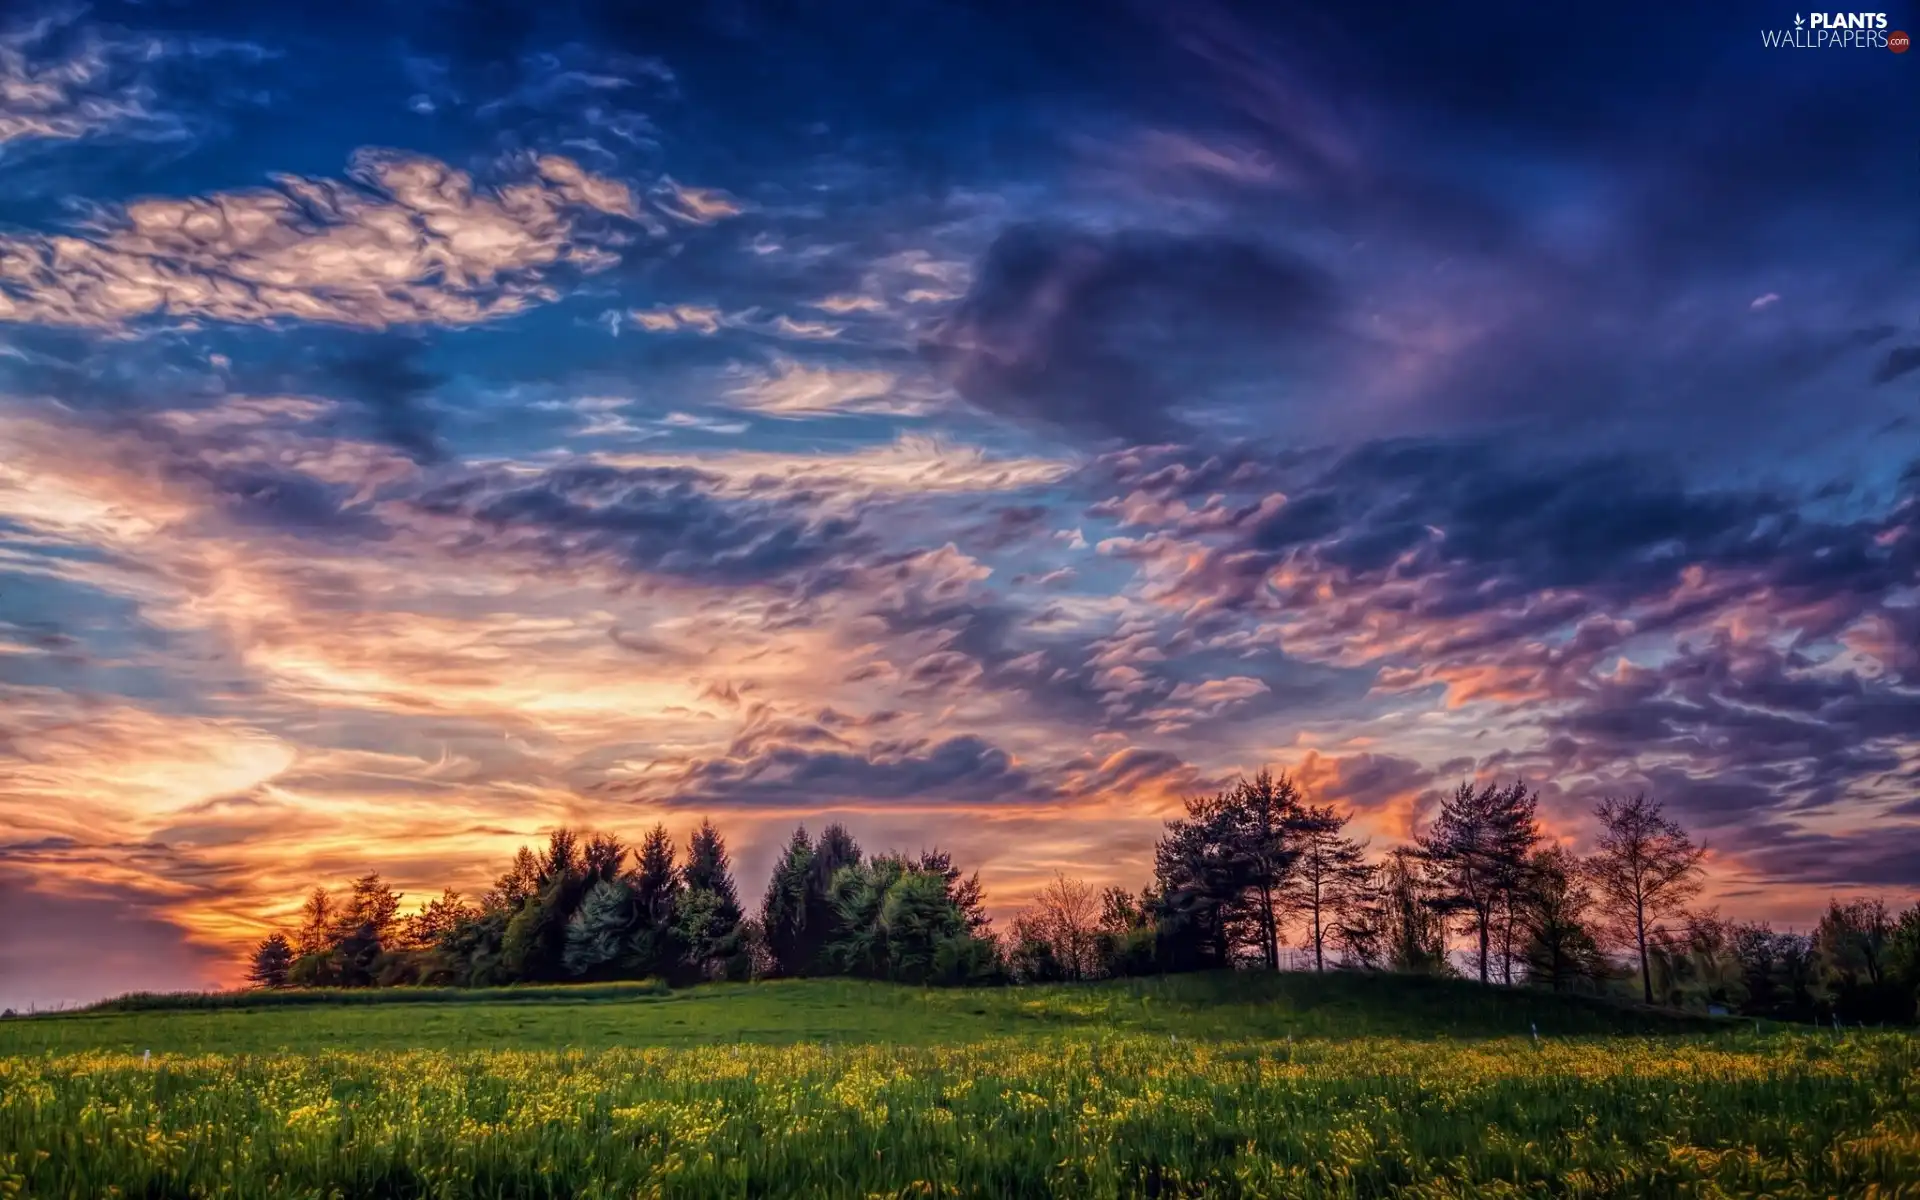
1645, 870
1066, 915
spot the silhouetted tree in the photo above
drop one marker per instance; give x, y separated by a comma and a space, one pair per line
833, 852
1126, 934
562, 857
271, 960
1855, 947
1413, 932
1328, 874
1559, 949
435, 920
515, 886
1265, 822
1030, 955
1476, 853
656, 884
1361, 932
1644, 871
603, 859
1064, 915
1202, 876
316, 924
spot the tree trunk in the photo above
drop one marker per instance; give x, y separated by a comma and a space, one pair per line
1484, 940
1640, 933
1268, 932
1319, 957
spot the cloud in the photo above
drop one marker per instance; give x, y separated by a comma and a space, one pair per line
658, 521
908, 466
696, 317
1899, 361
794, 389
387, 379
1112, 335
403, 241
60, 81
957, 770
694, 205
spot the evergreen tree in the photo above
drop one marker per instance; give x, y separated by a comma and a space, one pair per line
783, 910
833, 852
1264, 815
533, 947
603, 858
435, 920
709, 869
600, 941
271, 960
656, 886
709, 922
1202, 878
316, 924
1559, 950
514, 887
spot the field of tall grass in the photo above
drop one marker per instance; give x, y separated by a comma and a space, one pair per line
1092, 1092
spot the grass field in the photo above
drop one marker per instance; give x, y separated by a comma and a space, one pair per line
1202, 1086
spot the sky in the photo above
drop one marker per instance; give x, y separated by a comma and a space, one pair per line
984, 425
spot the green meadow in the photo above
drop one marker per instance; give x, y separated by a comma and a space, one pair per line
1225, 1085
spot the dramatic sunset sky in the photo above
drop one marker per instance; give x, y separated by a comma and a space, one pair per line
982, 424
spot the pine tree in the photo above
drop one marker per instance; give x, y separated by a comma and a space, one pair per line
783, 910
1328, 874
270, 962
709, 869
833, 852
656, 885
709, 920
316, 924
1265, 812
600, 935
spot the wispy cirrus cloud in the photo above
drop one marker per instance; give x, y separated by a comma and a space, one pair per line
63, 79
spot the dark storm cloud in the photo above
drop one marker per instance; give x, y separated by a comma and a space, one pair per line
267, 497
965, 769
1495, 521
1111, 335
386, 378
1899, 361
665, 521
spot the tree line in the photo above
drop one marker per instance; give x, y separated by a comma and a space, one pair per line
590, 908
1239, 876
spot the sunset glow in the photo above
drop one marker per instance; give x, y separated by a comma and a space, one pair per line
403, 453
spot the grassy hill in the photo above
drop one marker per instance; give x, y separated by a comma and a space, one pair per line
1205, 1007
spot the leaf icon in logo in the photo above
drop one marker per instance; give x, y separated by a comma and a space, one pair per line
1797, 21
